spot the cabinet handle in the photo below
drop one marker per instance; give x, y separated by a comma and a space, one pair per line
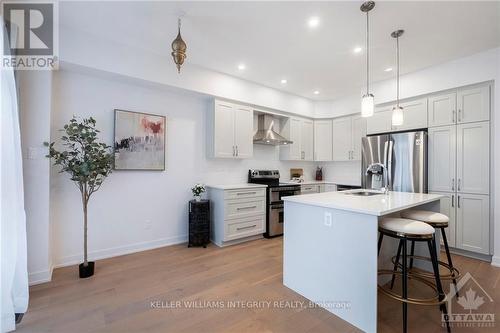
453, 116
249, 207
453, 201
247, 227
453, 184
234, 151
459, 183
458, 201
246, 193
459, 115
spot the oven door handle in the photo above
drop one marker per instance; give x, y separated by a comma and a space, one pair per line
277, 206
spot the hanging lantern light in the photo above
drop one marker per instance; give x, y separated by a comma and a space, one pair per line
397, 111
179, 48
367, 102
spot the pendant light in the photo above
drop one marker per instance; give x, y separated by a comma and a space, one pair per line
397, 111
367, 102
179, 48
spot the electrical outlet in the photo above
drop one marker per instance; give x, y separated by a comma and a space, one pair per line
148, 224
328, 219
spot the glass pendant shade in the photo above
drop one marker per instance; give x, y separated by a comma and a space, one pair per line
367, 105
397, 116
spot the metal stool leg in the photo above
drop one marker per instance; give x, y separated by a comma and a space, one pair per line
405, 288
380, 237
435, 266
400, 247
445, 241
412, 253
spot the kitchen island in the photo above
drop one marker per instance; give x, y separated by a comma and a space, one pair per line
330, 248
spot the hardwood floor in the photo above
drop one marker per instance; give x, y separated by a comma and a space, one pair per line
132, 293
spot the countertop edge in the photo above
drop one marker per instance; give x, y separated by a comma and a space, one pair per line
234, 186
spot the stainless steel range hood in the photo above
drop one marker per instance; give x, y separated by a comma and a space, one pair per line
265, 133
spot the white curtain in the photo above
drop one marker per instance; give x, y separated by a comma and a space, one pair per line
14, 273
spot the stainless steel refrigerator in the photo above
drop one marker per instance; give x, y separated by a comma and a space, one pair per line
403, 155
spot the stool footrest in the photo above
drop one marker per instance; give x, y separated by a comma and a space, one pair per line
418, 301
453, 275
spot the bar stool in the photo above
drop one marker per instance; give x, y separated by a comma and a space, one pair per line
416, 231
437, 221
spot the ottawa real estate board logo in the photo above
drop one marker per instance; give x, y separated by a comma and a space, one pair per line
30, 36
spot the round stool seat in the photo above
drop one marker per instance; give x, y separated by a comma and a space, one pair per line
405, 227
433, 218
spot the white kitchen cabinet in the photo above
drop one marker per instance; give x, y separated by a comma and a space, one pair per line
473, 104
448, 205
347, 134
442, 109
307, 140
472, 223
342, 138
230, 131
442, 158
301, 132
308, 189
330, 188
322, 140
415, 115
380, 122
243, 132
473, 162
237, 214
358, 132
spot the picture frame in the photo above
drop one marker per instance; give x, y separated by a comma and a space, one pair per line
139, 141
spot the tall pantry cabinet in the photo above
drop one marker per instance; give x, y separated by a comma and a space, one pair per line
459, 163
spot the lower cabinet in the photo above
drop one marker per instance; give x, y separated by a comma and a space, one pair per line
308, 189
469, 226
238, 214
473, 222
448, 209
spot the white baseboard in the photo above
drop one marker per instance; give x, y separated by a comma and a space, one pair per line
40, 277
121, 250
495, 261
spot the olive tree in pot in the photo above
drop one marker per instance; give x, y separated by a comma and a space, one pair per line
88, 162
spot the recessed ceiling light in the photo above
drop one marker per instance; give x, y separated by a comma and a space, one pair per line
242, 67
388, 69
316, 92
357, 49
313, 22
283, 81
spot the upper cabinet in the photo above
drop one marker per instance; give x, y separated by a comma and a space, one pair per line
301, 133
473, 104
442, 109
322, 140
463, 105
347, 134
442, 158
415, 115
230, 131
380, 122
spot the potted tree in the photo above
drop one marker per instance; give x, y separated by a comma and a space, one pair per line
88, 162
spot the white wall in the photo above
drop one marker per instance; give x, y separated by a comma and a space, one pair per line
120, 211
35, 89
79, 48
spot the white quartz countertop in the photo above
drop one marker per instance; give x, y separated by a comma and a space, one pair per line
381, 204
236, 186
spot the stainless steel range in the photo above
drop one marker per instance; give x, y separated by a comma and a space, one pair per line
275, 192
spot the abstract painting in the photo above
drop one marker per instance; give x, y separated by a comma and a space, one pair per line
139, 141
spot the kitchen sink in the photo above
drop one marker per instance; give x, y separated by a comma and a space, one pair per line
363, 193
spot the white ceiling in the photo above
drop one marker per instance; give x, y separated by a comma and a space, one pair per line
274, 40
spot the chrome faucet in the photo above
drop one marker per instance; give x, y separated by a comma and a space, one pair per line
375, 169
